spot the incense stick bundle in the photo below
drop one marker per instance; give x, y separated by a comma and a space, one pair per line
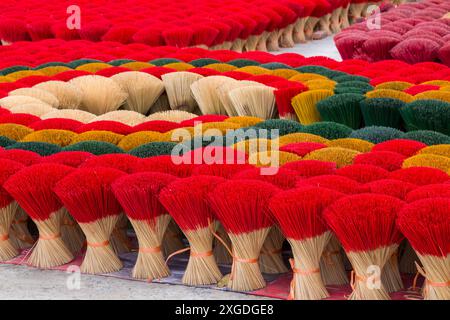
205, 93
32, 187
257, 101
332, 266
426, 224
299, 215
242, 208
271, 260
172, 240
365, 225
8, 208
185, 201
178, 89
138, 195
226, 87
19, 234
87, 194
71, 233
142, 88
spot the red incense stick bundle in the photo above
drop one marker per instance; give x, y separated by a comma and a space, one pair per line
32, 187
8, 209
242, 208
426, 225
138, 195
299, 215
87, 194
365, 225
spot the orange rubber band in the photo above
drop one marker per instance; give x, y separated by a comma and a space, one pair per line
356, 277
201, 254
4, 237
50, 237
150, 250
438, 284
98, 244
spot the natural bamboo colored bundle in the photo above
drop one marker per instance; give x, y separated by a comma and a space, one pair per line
142, 88
270, 259
128, 117
178, 89
37, 93
87, 194
184, 200
332, 265
18, 100
36, 109
299, 214
365, 225
172, 115
205, 93
7, 211
20, 235
225, 88
71, 233
32, 187
305, 105
242, 208
257, 101
79, 115
58, 137
138, 195
99, 94
69, 97
425, 223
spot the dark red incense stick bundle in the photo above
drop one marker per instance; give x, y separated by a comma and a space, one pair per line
88, 196
363, 173
126, 163
138, 195
32, 187
299, 213
8, 209
242, 208
365, 225
185, 200
426, 225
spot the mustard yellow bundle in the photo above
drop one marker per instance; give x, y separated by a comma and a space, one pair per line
341, 156
352, 144
428, 160
59, 137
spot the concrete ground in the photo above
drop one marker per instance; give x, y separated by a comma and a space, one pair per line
25, 283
